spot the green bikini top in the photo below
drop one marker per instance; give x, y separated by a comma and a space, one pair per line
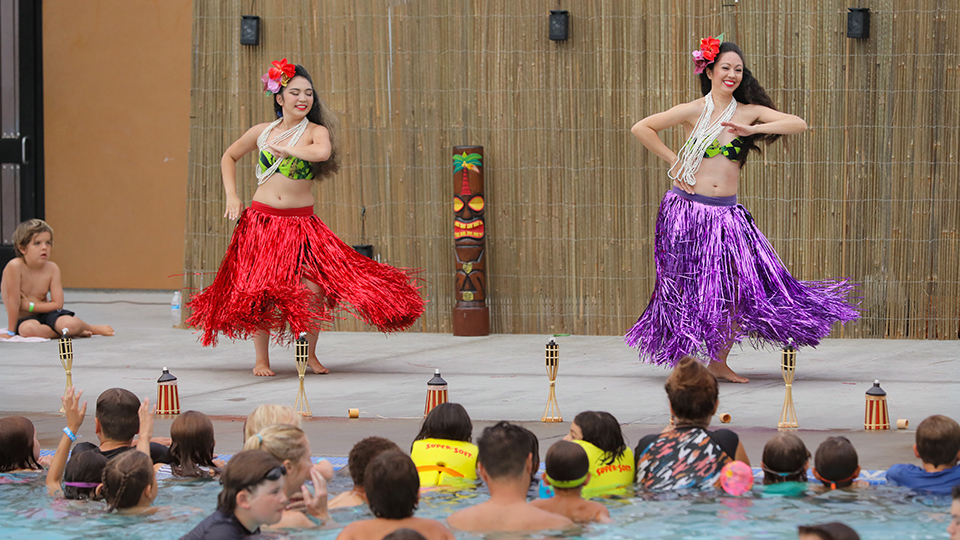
291, 167
731, 150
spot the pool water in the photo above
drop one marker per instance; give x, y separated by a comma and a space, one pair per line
877, 512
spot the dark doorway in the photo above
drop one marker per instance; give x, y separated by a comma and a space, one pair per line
21, 118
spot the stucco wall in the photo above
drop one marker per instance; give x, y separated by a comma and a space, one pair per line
116, 106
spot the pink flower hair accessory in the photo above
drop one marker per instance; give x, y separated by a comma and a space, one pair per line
707, 53
277, 76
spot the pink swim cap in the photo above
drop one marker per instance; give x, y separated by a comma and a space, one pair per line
736, 478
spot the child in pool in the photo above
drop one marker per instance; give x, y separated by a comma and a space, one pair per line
393, 491
443, 451
785, 460
118, 417
269, 414
360, 456
128, 484
252, 496
836, 464
938, 447
611, 460
32, 290
19, 447
953, 529
505, 465
568, 471
291, 448
82, 473
191, 450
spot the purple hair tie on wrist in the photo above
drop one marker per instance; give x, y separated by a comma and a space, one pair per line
89, 485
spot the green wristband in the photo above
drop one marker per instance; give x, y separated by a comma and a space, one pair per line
30, 309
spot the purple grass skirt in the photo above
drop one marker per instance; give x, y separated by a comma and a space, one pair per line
719, 278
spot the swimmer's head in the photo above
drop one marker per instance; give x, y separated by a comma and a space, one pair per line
567, 466
392, 485
254, 480
267, 415
693, 392
447, 421
193, 443
505, 451
602, 430
363, 453
128, 481
117, 414
785, 459
836, 463
19, 448
83, 474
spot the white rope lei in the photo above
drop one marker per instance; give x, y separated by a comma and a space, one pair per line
703, 135
293, 134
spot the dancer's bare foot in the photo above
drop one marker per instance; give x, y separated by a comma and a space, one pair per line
101, 330
721, 370
316, 366
85, 333
262, 368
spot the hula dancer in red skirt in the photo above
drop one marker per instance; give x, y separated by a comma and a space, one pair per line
284, 270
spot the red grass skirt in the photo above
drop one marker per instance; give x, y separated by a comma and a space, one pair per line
259, 285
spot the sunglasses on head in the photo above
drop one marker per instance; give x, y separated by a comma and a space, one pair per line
275, 473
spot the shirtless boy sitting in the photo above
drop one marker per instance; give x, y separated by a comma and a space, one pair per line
32, 290
504, 462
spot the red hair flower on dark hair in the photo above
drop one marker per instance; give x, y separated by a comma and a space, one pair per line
710, 47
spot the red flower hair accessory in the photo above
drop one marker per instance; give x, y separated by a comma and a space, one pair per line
278, 76
707, 53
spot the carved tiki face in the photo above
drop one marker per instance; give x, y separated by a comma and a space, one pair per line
468, 227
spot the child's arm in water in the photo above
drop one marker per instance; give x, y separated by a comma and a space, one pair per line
74, 414
10, 287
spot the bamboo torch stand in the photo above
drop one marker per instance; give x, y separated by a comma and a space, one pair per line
788, 365
301, 406
552, 412
66, 360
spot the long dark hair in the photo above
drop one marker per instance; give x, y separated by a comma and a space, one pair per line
16, 444
192, 446
447, 421
321, 115
602, 430
749, 92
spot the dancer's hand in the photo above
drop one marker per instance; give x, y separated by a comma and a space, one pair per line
740, 130
234, 207
279, 152
683, 185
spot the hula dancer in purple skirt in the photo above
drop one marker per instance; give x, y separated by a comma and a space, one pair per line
718, 278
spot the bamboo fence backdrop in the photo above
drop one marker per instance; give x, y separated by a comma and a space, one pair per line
870, 192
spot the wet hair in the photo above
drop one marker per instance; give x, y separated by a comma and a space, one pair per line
404, 534
534, 453
267, 415
693, 391
83, 467
321, 115
749, 92
118, 413
836, 462
503, 449
124, 479
566, 461
392, 485
363, 453
447, 421
16, 444
282, 441
24, 233
602, 430
785, 459
245, 470
830, 531
192, 446
938, 440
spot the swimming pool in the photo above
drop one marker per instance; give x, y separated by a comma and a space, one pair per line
878, 512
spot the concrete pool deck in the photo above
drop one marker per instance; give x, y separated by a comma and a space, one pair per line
495, 377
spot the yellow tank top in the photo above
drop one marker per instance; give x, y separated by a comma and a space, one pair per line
443, 462
606, 478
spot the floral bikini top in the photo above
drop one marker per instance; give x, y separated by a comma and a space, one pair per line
291, 167
731, 150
